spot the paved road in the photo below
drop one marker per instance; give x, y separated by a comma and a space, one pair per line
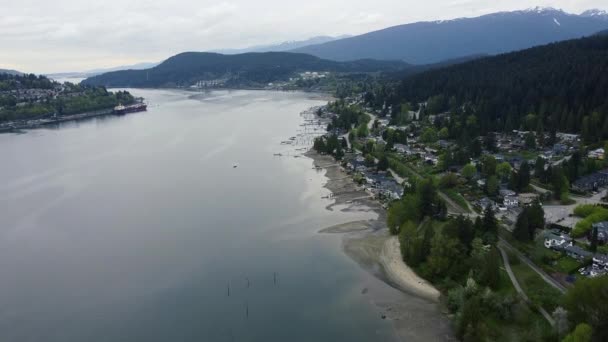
547, 278
505, 259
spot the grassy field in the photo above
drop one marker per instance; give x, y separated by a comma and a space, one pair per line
457, 198
524, 323
567, 265
539, 292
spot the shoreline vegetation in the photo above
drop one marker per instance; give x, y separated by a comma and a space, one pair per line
370, 244
29, 101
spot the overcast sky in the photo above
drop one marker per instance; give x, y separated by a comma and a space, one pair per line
74, 35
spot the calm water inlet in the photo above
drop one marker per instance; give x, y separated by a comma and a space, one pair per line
139, 228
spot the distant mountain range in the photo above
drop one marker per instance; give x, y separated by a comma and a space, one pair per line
432, 42
93, 72
285, 46
248, 69
10, 72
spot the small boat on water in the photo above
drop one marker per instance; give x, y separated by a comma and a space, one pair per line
235, 165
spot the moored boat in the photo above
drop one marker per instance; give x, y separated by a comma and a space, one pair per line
138, 107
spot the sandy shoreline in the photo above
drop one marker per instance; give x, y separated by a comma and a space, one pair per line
369, 242
403, 275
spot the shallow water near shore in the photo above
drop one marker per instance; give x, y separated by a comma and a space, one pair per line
140, 228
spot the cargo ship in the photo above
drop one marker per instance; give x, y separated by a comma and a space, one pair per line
138, 107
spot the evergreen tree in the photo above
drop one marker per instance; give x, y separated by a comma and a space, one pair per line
514, 181
594, 240
489, 226
522, 227
492, 186
383, 163
539, 168
523, 176
478, 226
490, 272
488, 165
530, 141
476, 148
490, 142
536, 217
427, 240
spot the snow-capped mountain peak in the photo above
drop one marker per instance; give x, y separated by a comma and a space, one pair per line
595, 13
539, 9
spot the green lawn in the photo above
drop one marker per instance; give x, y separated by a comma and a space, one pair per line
567, 265
528, 155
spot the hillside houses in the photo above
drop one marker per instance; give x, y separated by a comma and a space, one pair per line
377, 183
597, 154
602, 231
564, 244
592, 182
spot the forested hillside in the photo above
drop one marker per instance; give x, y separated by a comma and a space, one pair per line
247, 69
564, 84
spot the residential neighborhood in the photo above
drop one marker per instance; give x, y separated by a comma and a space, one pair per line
511, 172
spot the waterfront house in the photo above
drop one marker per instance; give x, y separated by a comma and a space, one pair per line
510, 201
527, 199
391, 190
506, 193
567, 137
485, 202
592, 182
596, 154
560, 148
431, 159
576, 252
499, 158
602, 231
400, 148
600, 260
556, 241
444, 144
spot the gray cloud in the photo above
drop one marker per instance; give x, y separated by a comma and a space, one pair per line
70, 35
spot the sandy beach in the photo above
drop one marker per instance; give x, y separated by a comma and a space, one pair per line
401, 274
369, 243
372, 244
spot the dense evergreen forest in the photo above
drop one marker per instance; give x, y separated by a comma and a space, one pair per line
249, 69
564, 84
